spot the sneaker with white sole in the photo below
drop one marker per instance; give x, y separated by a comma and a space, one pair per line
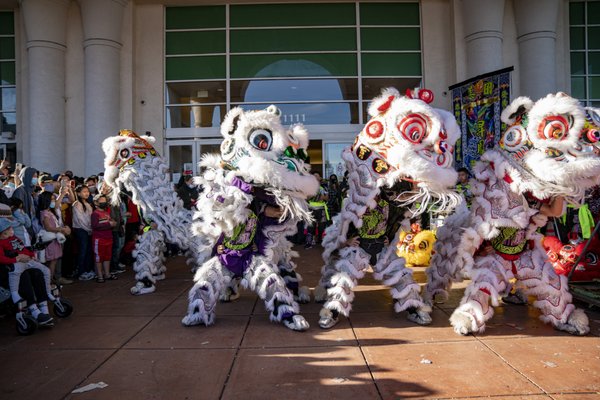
45, 320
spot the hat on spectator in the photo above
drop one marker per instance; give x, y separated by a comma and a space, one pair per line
5, 210
5, 223
55, 177
45, 178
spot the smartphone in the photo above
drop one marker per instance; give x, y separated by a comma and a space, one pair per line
63, 183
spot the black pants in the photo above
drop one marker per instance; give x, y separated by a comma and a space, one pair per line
31, 285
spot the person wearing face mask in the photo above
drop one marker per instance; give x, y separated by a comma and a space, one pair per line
51, 221
28, 177
47, 183
102, 238
187, 191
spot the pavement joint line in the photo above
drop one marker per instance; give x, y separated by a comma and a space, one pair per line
121, 347
362, 353
511, 366
237, 351
491, 396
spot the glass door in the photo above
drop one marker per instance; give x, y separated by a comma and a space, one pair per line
332, 157
182, 158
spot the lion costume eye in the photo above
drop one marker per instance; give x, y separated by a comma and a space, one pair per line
554, 127
261, 139
124, 153
414, 128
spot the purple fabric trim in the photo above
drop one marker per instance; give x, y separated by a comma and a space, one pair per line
240, 184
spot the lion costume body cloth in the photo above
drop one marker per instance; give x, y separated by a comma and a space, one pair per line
401, 158
546, 153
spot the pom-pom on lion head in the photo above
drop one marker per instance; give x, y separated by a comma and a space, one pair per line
263, 152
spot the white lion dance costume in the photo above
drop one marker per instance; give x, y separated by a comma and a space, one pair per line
261, 170
403, 156
547, 151
132, 162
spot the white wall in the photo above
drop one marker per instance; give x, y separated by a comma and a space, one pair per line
149, 76
438, 50
74, 93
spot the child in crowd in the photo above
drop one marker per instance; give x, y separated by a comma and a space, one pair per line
21, 221
102, 238
51, 221
82, 228
14, 254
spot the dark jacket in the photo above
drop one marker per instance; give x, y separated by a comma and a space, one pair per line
187, 195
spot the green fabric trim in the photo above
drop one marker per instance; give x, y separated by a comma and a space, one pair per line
229, 242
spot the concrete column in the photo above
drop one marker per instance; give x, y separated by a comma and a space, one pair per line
483, 35
102, 21
45, 24
537, 21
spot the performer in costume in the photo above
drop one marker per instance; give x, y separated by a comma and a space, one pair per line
402, 158
254, 196
132, 162
546, 155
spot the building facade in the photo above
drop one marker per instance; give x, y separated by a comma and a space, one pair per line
75, 72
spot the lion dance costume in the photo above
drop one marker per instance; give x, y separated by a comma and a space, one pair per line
402, 157
131, 162
546, 152
262, 167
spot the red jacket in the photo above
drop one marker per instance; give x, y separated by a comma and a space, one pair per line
12, 247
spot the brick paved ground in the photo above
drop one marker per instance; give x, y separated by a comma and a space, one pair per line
138, 347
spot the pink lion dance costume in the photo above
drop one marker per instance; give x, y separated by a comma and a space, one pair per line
546, 152
403, 157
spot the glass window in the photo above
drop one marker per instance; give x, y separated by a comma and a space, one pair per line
593, 12
9, 122
202, 92
7, 23
593, 63
577, 40
576, 13
7, 73
196, 115
594, 87
195, 42
293, 90
284, 65
391, 64
593, 37
195, 17
390, 39
313, 113
277, 40
577, 63
578, 87
389, 14
200, 67
7, 47
372, 86
314, 14
209, 149
9, 98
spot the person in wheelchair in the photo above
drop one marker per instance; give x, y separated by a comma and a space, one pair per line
17, 258
32, 290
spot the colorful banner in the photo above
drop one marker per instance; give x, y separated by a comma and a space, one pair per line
477, 105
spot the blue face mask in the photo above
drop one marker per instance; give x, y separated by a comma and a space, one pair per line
49, 187
34, 181
11, 184
52, 204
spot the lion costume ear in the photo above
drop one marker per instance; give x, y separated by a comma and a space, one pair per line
516, 109
231, 121
382, 102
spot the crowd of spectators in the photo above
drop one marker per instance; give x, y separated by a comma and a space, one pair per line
70, 224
